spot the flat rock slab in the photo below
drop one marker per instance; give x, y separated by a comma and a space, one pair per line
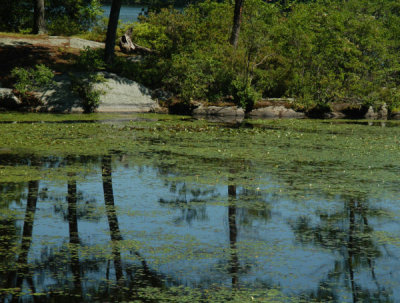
71, 42
231, 111
121, 95
275, 112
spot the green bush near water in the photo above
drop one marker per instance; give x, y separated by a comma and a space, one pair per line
29, 80
87, 93
318, 52
90, 62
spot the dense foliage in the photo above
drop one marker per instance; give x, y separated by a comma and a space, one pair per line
318, 52
155, 3
28, 80
16, 15
63, 17
83, 84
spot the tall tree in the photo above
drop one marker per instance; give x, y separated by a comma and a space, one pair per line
112, 30
39, 24
237, 18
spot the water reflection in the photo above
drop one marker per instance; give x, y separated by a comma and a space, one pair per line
234, 258
23, 272
191, 202
135, 275
74, 236
112, 216
349, 233
146, 227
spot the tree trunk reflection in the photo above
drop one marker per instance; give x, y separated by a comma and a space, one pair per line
111, 215
74, 234
22, 261
234, 259
350, 248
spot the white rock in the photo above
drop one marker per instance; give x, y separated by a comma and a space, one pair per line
121, 95
275, 112
232, 111
8, 99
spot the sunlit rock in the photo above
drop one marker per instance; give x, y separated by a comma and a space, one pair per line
231, 111
275, 112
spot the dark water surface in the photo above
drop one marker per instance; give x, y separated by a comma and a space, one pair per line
280, 212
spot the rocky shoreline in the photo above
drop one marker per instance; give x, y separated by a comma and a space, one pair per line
120, 95
281, 110
124, 95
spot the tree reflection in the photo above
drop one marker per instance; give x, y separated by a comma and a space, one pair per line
191, 202
234, 258
22, 261
112, 216
353, 241
135, 276
74, 234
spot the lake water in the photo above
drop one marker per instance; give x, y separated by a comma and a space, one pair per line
161, 208
128, 13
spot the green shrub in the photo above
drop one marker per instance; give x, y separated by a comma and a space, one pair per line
91, 59
98, 31
244, 94
63, 26
16, 15
28, 80
84, 87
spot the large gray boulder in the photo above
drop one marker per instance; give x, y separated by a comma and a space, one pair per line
219, 111
124, 95
120, 95
275, 112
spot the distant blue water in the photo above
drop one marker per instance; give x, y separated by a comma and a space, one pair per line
127, 14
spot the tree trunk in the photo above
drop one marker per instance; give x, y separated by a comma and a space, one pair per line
112, 31
237, 18
39, 25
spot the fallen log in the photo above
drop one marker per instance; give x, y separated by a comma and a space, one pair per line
128, 47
